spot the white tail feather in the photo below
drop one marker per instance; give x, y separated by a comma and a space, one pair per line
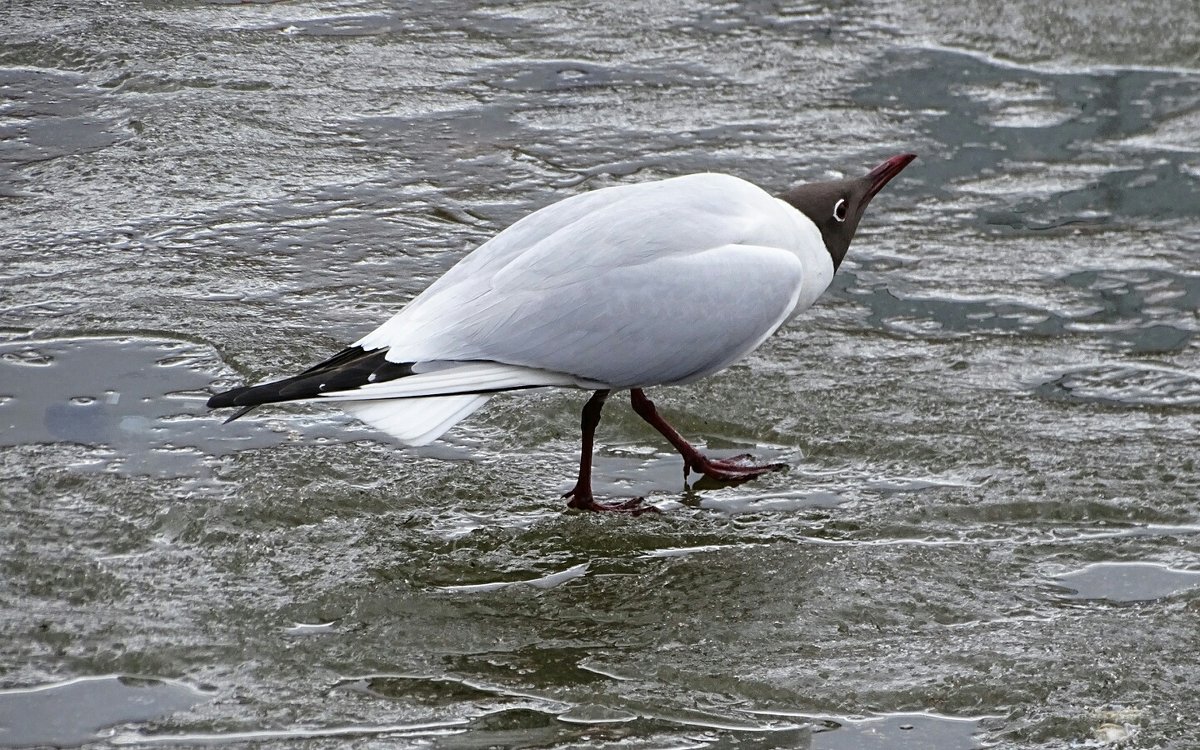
416, 421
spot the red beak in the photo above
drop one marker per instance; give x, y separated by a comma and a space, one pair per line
881, 175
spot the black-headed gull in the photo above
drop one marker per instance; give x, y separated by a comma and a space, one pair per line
656, 283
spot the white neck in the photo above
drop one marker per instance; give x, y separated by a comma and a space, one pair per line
810, 248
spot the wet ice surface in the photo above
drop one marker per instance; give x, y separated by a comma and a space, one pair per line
1128, 582
988, 530
138, 403
75, 712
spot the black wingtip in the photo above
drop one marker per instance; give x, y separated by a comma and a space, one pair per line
227, 398
349, 369
240, 413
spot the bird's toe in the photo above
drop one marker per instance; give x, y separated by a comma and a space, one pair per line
735, 469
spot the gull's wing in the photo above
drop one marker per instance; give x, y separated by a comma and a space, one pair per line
416, 421
638, 285
668, 320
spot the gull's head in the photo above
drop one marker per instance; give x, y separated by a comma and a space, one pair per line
837, 206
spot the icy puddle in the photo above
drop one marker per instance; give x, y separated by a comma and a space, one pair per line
73, 713
1126, 583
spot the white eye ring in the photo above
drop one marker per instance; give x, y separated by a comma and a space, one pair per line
839, 210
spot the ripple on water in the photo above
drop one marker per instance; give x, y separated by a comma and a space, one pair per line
1145, 310
1018, 180
1178, 133
572, 75
1019, 104
336, 26
788, 501
1142, 311
1124, 384
56, 116
72, 713
1003, 121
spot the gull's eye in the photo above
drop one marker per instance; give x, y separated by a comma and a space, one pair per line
839, 209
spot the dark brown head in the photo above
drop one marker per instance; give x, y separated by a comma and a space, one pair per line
836, 206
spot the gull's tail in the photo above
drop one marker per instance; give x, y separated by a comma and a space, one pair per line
415, 402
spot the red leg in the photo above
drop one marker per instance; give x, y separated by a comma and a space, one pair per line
736, 469
581, 494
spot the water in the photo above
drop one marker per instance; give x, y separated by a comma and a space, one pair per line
988, 533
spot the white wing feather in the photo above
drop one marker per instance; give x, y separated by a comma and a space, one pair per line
417, 409
469, 377
416, 421
637, 285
